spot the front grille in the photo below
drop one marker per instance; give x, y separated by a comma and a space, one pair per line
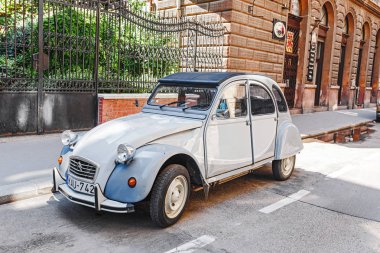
82, 169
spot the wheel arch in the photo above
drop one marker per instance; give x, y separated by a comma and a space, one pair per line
189, 163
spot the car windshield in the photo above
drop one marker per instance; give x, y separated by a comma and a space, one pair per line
183, 96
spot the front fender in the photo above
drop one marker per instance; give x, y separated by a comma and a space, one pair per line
288, 141
145, 166
62, 168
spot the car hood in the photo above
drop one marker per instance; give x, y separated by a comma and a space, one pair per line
99, 145
135, 130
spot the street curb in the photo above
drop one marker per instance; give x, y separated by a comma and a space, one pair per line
314, 135
24, 190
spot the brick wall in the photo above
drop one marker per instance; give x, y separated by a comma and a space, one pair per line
112, 106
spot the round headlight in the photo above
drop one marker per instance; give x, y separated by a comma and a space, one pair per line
68, 137
125, 153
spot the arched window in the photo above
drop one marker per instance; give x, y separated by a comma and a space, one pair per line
345, 25
324, 16
295, 7
363, 33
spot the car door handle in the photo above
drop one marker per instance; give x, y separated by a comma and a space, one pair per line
248, 123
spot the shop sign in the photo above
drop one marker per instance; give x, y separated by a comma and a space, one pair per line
312, 57
279, 28
310, 66
289, 42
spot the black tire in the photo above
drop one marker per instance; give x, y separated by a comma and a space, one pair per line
279, 171
159, 191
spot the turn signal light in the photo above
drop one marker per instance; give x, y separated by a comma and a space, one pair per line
132, 182
60, 159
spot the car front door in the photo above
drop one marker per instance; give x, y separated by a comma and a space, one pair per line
264, 122
228, 134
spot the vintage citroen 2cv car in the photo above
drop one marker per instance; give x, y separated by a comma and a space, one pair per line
196, 130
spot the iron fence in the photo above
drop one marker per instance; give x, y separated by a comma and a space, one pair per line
99, 45
50, 49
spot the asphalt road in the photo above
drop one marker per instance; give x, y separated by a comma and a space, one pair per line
331, 204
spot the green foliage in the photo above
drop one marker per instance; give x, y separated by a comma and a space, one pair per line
16, 37
126, 51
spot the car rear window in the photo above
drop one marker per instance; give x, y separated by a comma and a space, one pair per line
281, 103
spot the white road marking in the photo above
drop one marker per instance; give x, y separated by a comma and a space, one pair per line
193, 245
337, 173
284, 202
348, 113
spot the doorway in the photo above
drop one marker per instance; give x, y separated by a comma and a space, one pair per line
291, 58
341, 70
319, 60
358, 74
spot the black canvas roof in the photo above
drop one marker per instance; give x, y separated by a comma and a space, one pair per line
204, 78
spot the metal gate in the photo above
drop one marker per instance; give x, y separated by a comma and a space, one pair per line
57, 55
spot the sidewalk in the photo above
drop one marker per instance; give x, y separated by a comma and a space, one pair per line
318, 123
26, 161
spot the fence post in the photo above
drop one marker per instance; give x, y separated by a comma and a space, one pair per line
96, 63
40, 86
195, 47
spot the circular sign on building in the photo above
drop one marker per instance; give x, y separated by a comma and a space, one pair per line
279, 29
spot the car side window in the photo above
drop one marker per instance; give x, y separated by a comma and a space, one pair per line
281, 104
261, 101
233, 102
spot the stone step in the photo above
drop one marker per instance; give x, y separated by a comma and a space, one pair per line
320, 108
295, 111
342, 107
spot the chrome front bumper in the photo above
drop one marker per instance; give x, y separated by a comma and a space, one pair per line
99, 202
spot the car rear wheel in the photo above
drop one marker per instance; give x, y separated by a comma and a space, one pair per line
170, 195
283, 169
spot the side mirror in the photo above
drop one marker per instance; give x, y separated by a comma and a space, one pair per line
221, 114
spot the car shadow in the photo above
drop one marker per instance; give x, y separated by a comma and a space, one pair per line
231, 202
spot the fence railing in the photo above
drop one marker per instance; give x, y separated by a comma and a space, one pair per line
99, 46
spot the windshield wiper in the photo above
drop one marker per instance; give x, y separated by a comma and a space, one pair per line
194, 106
174, 102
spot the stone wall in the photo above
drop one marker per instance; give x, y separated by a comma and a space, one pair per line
248, 43
249, 46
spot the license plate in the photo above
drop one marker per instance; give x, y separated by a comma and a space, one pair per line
80, 186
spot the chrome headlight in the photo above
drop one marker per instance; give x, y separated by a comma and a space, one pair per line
125, 153
68, 137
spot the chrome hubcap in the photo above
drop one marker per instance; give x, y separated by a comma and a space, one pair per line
175, 198
287, 165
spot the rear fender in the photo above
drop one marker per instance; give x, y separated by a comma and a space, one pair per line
288, 141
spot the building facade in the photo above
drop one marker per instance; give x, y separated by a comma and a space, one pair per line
324, 53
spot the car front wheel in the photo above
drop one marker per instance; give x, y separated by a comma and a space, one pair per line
170, 195
283, 169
